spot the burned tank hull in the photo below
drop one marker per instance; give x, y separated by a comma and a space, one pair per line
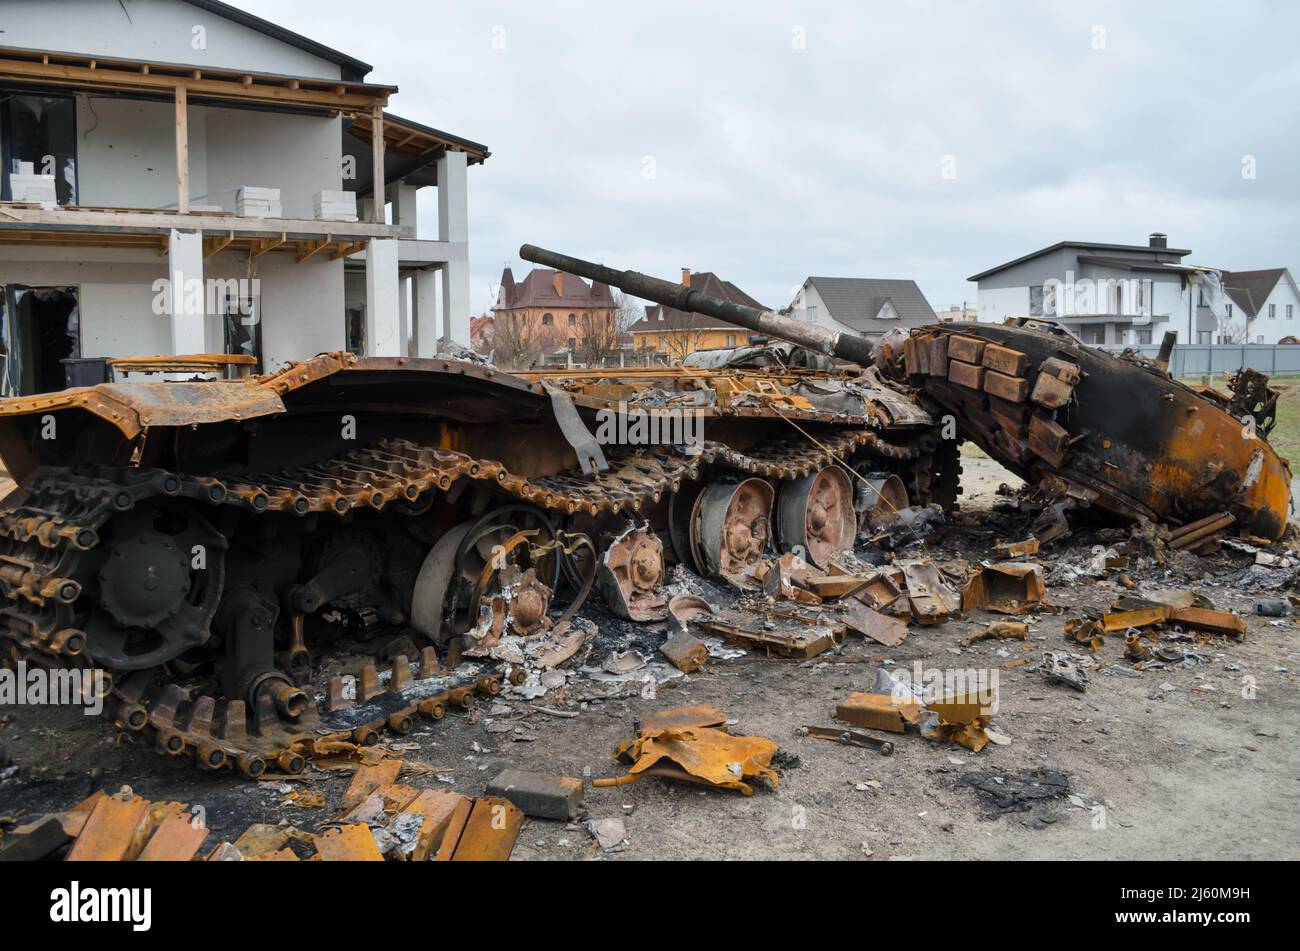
206, 542
1114, 431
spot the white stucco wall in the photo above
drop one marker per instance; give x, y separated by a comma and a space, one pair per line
300, 155
167, 31
301, 304
1265, 329
1168, 309
126, 153
809, 306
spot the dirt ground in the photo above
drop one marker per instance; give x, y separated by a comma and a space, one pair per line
1176, 763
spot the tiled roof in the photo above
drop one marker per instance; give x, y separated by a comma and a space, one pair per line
669, 319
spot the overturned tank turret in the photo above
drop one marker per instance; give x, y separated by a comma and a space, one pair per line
1111, 430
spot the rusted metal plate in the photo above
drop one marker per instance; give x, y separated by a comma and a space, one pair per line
261, 839
490, 832
437, 806
1139, 617
1013, 389
712, 757
446, 848
350, 843
177, 839
881, 628
113, 830
1216, 622
966, 374
932, 598
1005, 361
684, 718
965, 349
878, 711
369, 778
131, 407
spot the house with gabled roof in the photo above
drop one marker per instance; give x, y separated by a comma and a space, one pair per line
1262, 306
867, 306
677, 333
550, 310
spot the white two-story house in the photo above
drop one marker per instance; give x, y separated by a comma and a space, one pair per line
1261, 307
1117, 294
181, 177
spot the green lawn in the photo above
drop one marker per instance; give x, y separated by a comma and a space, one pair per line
1285, 436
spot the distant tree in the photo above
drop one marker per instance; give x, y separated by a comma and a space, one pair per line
1232, 331
516, 343
682, 337
626, 312
598, 337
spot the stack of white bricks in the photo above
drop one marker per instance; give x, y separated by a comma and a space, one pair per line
252, 202
26, 185
336, 205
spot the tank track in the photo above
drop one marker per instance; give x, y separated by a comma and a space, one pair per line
55, 518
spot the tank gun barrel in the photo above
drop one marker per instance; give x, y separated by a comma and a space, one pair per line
678, 297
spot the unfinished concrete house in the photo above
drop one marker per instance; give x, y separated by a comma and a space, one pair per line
184, 178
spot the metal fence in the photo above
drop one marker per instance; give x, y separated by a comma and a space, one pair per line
1201, 359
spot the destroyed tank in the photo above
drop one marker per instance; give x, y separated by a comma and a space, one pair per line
1109, 433
1089, 429
210, 544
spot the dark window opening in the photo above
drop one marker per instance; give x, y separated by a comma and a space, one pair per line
1036, 300
243, 328
355, 330
40, 132
41, 330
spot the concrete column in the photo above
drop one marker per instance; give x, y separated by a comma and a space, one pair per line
453, 227
455, 302
383, 312
186, 298
426, 312
407, 331
403, 198
453, 205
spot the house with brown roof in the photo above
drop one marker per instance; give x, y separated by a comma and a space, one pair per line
677, 333
550, 311
1262, 305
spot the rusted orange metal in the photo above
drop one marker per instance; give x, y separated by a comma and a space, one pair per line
114, 831
350, 843
490, 831
1118, 432
177, 839
709, 756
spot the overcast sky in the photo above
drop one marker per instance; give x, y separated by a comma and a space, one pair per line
773, 141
